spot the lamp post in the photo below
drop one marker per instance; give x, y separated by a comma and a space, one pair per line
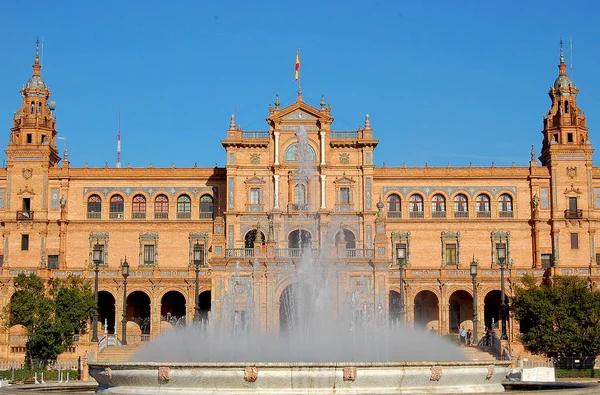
401, 259
474, 278
97, 258
501, 250
198, 262
125, 274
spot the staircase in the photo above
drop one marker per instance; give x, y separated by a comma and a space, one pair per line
478, 354
116, 354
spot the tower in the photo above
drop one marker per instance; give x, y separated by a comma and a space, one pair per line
567, 154
31, 157
33, 134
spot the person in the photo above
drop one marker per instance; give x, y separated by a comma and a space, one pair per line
488, 337
463, 335
469, 336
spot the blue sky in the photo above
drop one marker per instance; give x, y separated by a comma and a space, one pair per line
443, 81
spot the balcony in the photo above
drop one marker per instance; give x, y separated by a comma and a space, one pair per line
574, 214
184, 215
161, 215
461, 214
394, 214
255, 134
299, 207
116, 215
24, 215
94, 215
343, 134
416, 214
360, 252
239, 252
255, 208
505, 214
344, 208
138, 215
206, 215
484, 214
438, 214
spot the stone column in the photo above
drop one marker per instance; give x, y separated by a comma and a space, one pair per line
323, 202
322, 136
276, 134
276, 193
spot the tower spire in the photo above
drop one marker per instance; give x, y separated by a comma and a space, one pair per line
562, 67
36, 60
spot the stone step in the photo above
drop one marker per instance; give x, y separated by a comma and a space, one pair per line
477, 354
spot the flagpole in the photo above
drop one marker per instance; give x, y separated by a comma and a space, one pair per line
298, 72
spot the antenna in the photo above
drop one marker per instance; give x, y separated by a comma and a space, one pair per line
119, 142
571, 49
42, 60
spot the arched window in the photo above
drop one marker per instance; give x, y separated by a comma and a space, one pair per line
438, 206
415, 206
483, 206
32, 107
505, 207
94, 207
207, 206
184, 207
299, 197
461, 208
138, 206
161, 207
394, 209
116, 207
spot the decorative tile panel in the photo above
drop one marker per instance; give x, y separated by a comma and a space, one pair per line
368, 193
54, 198
1, 198
546, 202
173, 191
231, 193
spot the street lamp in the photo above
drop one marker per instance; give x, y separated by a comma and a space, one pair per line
97, 259
401, 259
125, 274
474, 278
501, 250
198, 262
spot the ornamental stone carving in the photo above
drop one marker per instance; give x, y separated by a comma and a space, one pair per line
251, 374
108, 373
572, 171
349, 373
255, 159
436, 373
344, 159
490, 372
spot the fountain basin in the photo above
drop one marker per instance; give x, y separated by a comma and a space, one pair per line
300, 378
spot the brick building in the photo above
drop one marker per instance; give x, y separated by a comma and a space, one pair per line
253, 218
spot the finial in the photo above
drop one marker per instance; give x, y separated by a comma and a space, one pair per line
367, 122
232, 122
323, 102
299, 93
277, 102
562, 56
259, 235
66, 154
532, 152
36, 61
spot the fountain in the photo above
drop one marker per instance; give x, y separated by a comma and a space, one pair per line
331, 340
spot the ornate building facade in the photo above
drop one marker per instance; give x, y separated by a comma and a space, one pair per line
278, 196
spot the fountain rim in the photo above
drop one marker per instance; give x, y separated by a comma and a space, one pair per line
398, 364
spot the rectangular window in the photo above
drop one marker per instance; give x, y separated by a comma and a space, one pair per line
1, 260
254, 195
345, 195
546, 261
574, 241
24, 242
573, 204
598, 259
569, 137
149, 254
52, 262
451, 254
29, 138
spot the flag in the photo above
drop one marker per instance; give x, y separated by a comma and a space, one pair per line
297, 64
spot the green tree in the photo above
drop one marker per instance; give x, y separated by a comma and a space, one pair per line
51, 315
560, 316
